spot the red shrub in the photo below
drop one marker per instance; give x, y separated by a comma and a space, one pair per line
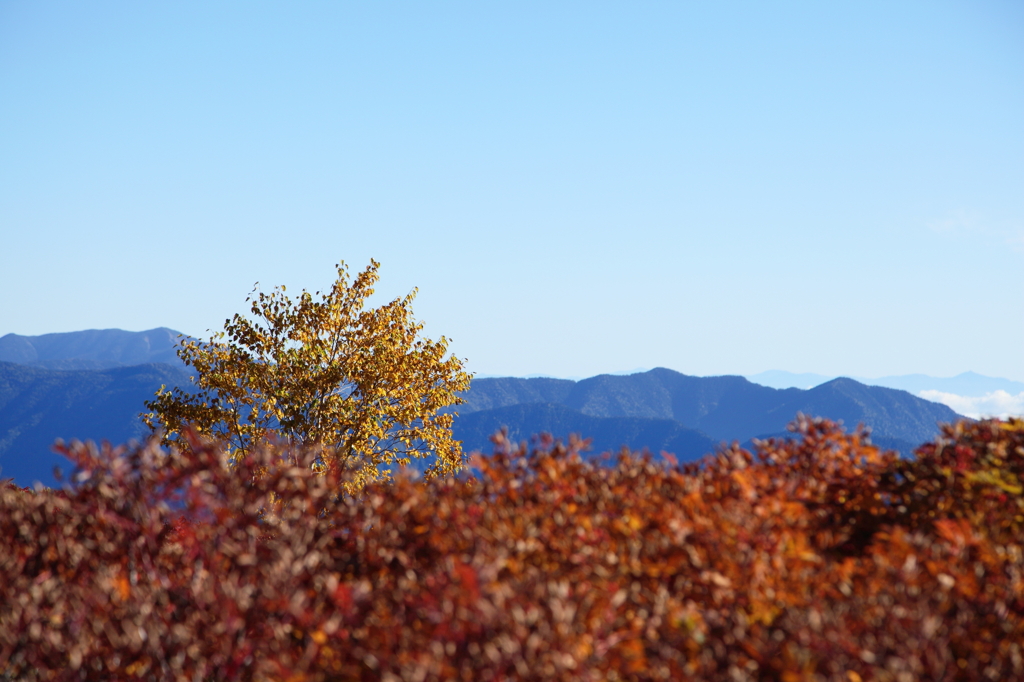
816, 558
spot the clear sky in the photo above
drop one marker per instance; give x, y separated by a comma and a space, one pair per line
575, 188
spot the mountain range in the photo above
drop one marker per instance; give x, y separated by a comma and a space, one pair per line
91, 349
708, 410
966, 384
92, 385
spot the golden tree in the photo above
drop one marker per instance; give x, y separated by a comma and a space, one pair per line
328, 371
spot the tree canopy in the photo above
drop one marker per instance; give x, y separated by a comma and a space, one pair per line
324, 369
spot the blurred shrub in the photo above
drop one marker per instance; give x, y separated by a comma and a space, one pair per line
816, 558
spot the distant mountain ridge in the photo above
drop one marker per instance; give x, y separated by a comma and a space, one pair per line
724, 408
92, 385
91, 349
964, 384
969, 393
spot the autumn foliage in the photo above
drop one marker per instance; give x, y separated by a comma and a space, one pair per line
816, 558
322, 369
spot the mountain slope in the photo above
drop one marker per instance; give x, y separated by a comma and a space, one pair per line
607, 434
39, 405
505, 391
890, 413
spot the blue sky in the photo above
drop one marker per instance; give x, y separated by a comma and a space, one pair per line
575, 188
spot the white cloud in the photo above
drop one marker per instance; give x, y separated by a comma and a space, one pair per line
958, 221
1015, 240
995, 404
972, 222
